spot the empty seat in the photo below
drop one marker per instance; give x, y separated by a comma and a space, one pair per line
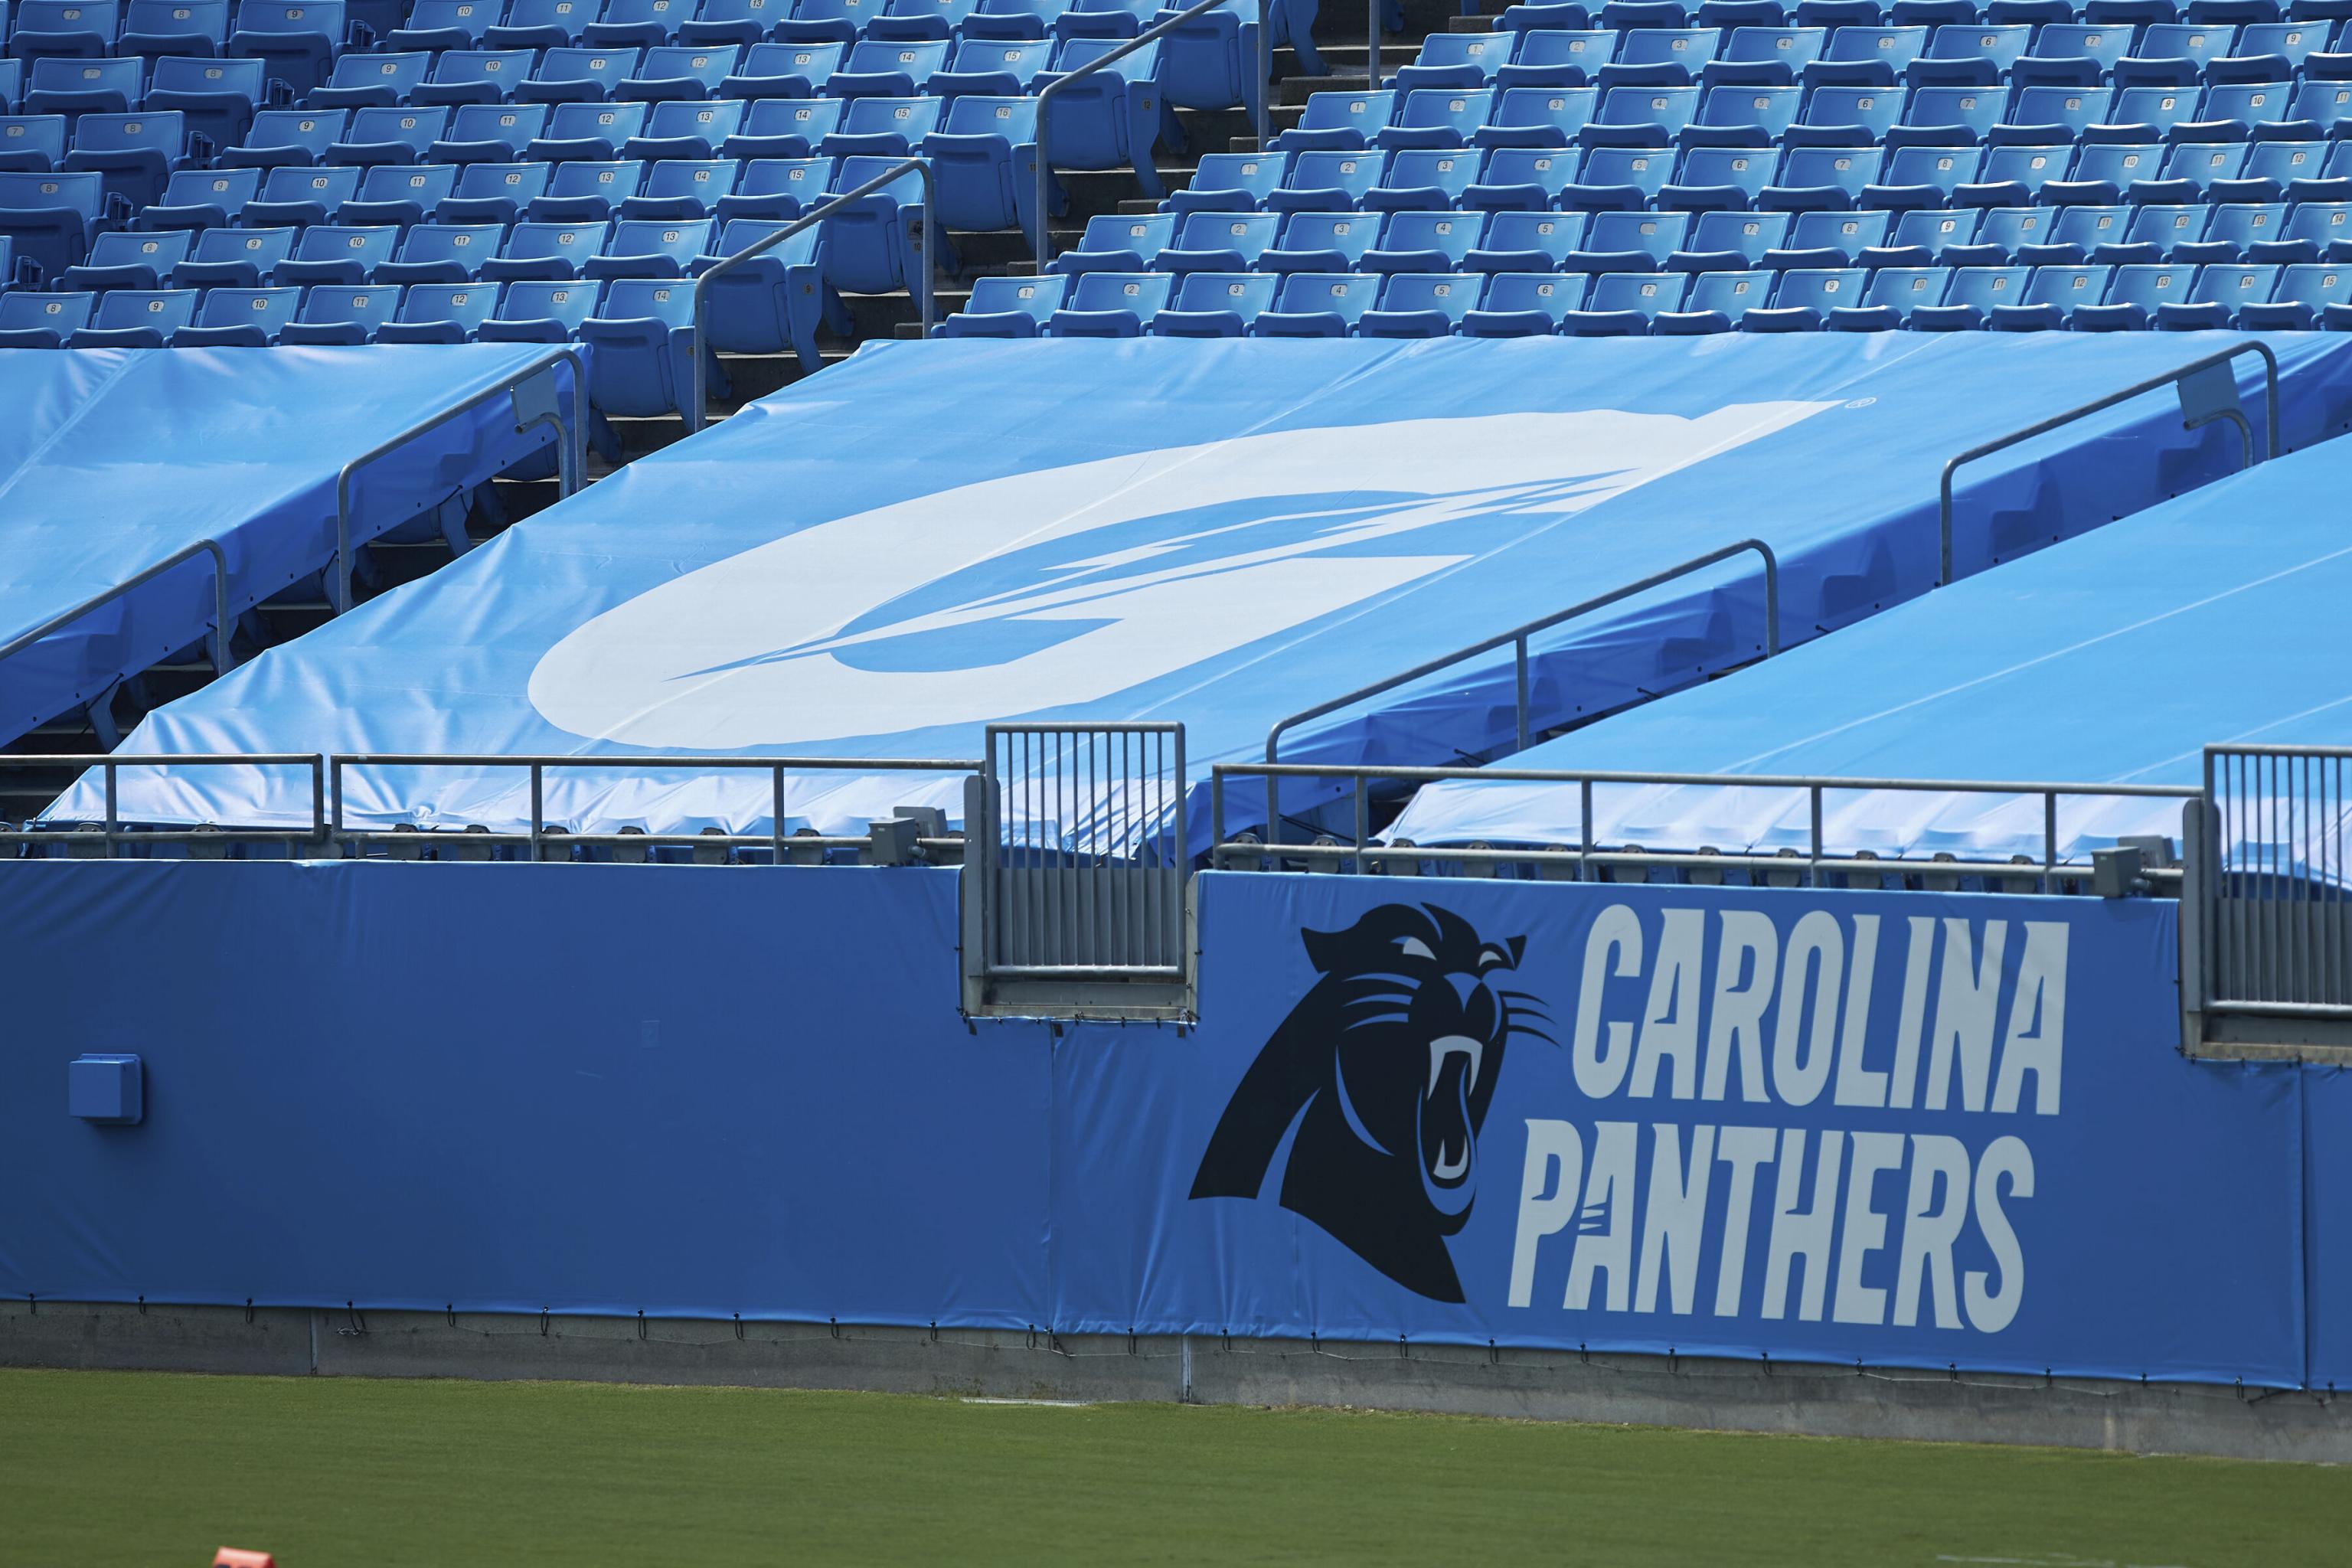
1340, 121
1520, 304
32, 144
1105, 120
1969, 54
1660, 57
136, 319
1640, 116
789, 70
1846, 117
219, 99
577, 75
1717, 302
677, 71
545, 251
29, 321
1822, 179
387, 136
887, 69
590, 131
202, 198
125, 259
1420, 305
870, 243
1630, 242
1009, 307
371, 81
463, 77
2308, 295
234, 257
1731, 241
1803, 297
1522, 179
2315, 231
442, 253
2152, 234
47, 219
541, 25
1424, 242
540, 312
582, 192
494, 193
1709, 179
777, 188
440, 313
2234, 230
1948, 117
2042, 116
338, 253
1215, 305
886, 127
740, 22
785, 128
2134, 294
2216, 298
2104, 171
1920, 177
686, 130
1527, 242
1556, 58
2015, 175
1328, 180
1014, 19
636, 23
238, 318
297, 41
1117, 243
1743, 116
64, 29
294, 197
190, 28
1626, 303
774, 302
1318, 305
2067, 54
436, 24
1322, 242
682, 188
2051, 296
984, 164
1000, 67
1229, 181
1424, 177
489, 133
1973, 293
1456, 60
135, 152
282, 137
399, 194
75, 87
650, 247
335, 316
828, 21
641, 337
1885, 305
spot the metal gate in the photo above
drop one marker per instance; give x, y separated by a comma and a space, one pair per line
2276, 935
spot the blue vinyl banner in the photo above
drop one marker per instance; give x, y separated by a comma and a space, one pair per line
934, 536
1888, 1128
2327, 1195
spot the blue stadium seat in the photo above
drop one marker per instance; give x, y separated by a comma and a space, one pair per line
1215, 305
2221, 291
49, 217
1230, 182
786, 70
64, 29
2234, 228
642, 342
1803, 297
2134, 293
586, 133
296, 40
1972, 295
2292, 171
1322, 242
1626, 303
677, 71
1630, 242
582, 192
1117, 243
2324, 104
744, 22
466, 77
285, 137
1659, 56
126, 259
494, 193
136, 319
2315, 231
540, 311
1743, 116
1525, 179
202, 198
1638, 116
234, 257
32, 144
442, 253
2148, 114
636, 23
2045, 116
1111, 305
2307, 294
438, 24
541, 25
2104, 172
2173, 54
135, 152
239, 318
1821, 179
994, 68
1110, 118
1885, 305
1846, 117
2051, 296
869, 244
340, 316
1007, 308
1340, 121
1449, 60
1552, 57
1014, 19
1871, 55
576, 74
685, 129
440, 313
886, 127
1714, 179
1328, 180
293, 196
651, 247
1830, 240
489, 133
828, 21
387, 136
1764, 56
1527, 242
217, 98
2264, 46
1210, 61
1731, 241
29, 321
191, 28
984, 162
371, 81
545, 252
1969, 54
403, 195
2015, 175
779, 189
1104, 18
1717, 302
1948, 117
785, 128
1318, 305
927, 20
2078, 231
1921, 177
341, 254
2067, 54
678, 188
1423, 177
78, 87
2256, 110
1424, 242
1420, 305
2152, 234
1524, 304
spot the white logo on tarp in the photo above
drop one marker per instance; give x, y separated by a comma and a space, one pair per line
1066, 585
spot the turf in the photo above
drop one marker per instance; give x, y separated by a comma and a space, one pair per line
157, 1468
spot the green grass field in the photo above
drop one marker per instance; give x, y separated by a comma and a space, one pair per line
159, 1469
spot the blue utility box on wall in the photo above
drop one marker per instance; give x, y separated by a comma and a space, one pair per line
106, 1090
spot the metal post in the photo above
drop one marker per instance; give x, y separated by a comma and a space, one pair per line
1042, 245
698, 397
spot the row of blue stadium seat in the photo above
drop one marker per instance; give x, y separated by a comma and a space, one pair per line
1802, 179
1709, 242
1626, 15
1689, 117
1972, 54
1513, 304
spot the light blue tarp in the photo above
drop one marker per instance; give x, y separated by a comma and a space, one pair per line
2112, 658
113, 460
879, 561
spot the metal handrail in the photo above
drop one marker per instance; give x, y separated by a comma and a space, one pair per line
1044, 246
222, 658
2170, 377
111, 765
817, 215
571, 447
1587, 854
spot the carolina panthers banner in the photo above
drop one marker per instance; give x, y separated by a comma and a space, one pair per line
878, 562
1893, 1129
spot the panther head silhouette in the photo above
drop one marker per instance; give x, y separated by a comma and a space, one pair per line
1385, 1068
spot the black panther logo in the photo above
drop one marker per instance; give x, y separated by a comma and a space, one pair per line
1386, 1069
